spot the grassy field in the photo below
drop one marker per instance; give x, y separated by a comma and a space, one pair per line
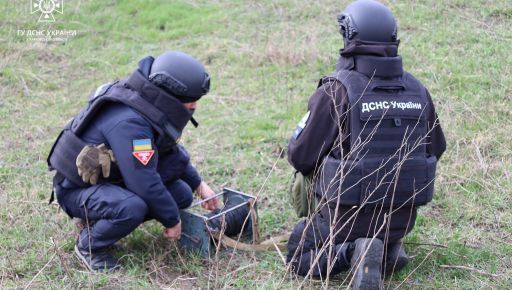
265, 58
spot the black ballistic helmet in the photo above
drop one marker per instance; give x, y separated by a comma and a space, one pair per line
181, 75
367, 20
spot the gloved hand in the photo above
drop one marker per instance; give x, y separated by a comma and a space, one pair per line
91, 160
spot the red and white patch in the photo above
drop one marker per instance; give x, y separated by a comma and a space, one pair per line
144, 156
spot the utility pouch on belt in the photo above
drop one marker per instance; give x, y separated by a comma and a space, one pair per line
375, 181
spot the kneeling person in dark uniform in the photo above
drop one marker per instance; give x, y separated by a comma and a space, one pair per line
118, 161
365, 155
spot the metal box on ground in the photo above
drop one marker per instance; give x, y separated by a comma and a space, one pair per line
196, 236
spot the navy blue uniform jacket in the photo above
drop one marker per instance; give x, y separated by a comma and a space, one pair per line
118, 126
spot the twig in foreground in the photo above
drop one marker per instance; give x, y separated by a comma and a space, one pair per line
470, 269
40, 271
414, 270
426, 244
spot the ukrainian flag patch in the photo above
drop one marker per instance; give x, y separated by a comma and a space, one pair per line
143, 150
301, 126
142, 144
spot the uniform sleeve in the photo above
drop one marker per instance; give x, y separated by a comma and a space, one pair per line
175, 164
436, 142
191, 176
315, 135
141, 179
189, 173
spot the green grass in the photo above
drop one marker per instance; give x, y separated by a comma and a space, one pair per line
265, 58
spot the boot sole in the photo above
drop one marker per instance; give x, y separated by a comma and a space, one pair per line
368, 274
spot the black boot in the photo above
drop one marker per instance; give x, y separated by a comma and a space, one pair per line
343, 253
97, 261
102, 261
367, 267
396, 258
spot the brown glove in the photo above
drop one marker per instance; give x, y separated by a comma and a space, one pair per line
93, 159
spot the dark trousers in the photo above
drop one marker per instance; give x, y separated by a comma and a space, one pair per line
111, 211
310, 249
306, 253
350, 222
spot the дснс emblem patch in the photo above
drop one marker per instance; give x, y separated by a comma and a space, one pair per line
142, 150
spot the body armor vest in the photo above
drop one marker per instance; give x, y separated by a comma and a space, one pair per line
166, 114
387, 126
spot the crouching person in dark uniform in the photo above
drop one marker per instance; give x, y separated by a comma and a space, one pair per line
118, 161
365, 155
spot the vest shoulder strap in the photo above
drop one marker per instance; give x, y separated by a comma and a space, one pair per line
119, 93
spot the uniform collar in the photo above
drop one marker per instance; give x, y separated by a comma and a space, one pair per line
371, 59
359, 47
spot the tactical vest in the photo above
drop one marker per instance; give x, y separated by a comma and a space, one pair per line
387, 125
166, 114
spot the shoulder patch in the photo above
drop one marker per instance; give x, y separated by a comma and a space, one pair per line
143, 150
301, 125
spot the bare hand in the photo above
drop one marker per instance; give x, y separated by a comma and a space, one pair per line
173, 233
204, 191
